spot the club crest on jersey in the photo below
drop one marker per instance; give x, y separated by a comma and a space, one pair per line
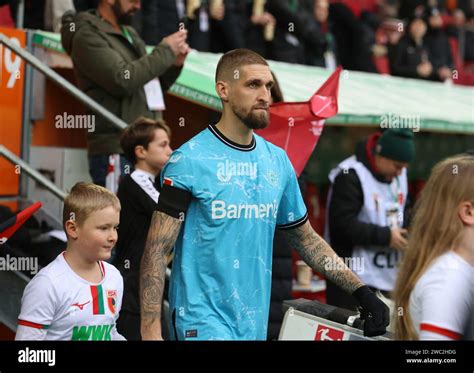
226, 170
272, 178
112, 300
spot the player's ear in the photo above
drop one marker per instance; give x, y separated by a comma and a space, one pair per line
222, 90
71, 228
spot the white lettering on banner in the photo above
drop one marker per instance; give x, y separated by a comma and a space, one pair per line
220, 210
12, 65
226, 170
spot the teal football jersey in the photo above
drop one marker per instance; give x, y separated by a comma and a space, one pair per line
222, 268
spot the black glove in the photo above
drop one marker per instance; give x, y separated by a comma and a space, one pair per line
373, 311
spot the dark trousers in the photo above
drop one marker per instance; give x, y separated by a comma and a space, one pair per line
99, 164
128, 324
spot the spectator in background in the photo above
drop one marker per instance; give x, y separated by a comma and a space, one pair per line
199, 15
146, 144
160, 18
228, 22
410, 58
54, 10
366, 208
260, 28
469, 50
111, 65
323, 52
354, 46
293, 25
463, 32
439, 50
300, 26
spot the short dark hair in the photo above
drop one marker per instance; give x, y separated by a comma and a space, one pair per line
140, 132
235, 59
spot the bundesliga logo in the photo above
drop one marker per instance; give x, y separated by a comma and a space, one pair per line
226, 170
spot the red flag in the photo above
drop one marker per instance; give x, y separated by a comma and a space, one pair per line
10, 226
297, 126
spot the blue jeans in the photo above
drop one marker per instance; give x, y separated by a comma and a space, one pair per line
98, 165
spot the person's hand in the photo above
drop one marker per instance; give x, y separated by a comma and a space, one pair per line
424, 69
444, 73
379, 50
217, 12
181, 57
177, 42
263, 19
374, 312
398, 238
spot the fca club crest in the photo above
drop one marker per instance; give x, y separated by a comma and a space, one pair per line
112, 300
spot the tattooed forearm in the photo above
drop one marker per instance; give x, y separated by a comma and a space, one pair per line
321, 257
161, 238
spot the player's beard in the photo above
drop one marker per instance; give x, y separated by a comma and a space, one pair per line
123, 18
252, 119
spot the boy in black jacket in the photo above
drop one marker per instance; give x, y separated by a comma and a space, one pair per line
146, 144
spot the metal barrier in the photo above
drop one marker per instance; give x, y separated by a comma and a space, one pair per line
30, 171
58, 79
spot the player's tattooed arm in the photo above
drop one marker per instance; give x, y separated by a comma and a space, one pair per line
317, 253
162, 236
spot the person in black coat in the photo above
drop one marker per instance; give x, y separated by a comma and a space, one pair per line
322, 50
160, 18
146, 144
410, 59
438, 46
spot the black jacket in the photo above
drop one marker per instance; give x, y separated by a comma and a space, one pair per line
160, 19
345, 230
406, 58
440, 49
135, 217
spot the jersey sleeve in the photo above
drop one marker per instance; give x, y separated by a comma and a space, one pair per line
177, 180
445, 312
38, 307
178, 172
292, 211
25, 333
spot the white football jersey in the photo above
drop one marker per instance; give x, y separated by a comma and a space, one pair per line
442, 299
58, 304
